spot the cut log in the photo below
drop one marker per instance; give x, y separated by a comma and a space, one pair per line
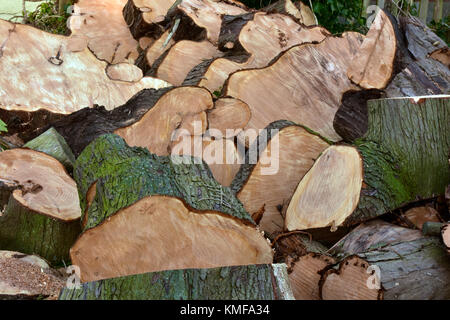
102, 27
66, 81
53, 144
165, 214
42, 215
298, 10
182, 57
124, 72
309, 94
446, 236
277, 161
329, 192
419, 215
26, 277
373, 66
154, 51
442, 55
253, 282
149, 119
228, 117
252, 41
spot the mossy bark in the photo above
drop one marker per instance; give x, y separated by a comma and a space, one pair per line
253, 282
405, 154
26, 231
53, 144
124, 175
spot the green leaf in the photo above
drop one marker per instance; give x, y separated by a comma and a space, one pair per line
3, 127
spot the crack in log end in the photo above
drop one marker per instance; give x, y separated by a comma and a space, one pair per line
30, 187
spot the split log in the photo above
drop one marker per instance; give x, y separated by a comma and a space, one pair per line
172, 200
277, 161
396, 267
182, 57
53, 144
149, 119
53, 79
309, 94
26, 277
419, 215
253, 282
373, 66
42, 215
100, 24
252, 41
296, 9
405, 154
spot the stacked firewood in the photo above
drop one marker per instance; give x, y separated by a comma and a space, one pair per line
199, 149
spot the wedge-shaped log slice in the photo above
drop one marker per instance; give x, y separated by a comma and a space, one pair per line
149, 119
307, 80
148, 190
252, 282
163, 233
208, 14
53, 144
286, 152
182, 57
66, 81
372, 67
329, 192
405, 153
253, 41
24, 277
419, 215
298, 10
229, 116
43, 213
102, 26
124, 72
150, 56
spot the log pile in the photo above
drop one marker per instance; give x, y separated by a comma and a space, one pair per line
201, 149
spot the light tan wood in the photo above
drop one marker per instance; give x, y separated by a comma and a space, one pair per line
43, 185
161, 233
124, 72
40, 72
179, 108
329, 192
271, 186
229, 116
419, 215
446, 236
304, 85
372, 67
157, 48
154, 11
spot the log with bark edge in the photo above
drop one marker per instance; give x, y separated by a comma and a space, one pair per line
404, 153
149, 119
252, 282
307, 84
372, 67
182, 57
419, 215
305, 259
101, 26
252, 41
53, 80
26, 277
42, 212
53, 144
148, 57
277, 161
298, 10
166, 213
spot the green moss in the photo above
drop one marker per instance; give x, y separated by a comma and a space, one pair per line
47, 18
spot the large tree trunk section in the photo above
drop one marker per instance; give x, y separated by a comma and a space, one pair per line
42, 215
329, 192
309, 95
157, 206
53, 144
373, 66
255, 38
26, 277
182, 57
298, 10
278, 166
67, 81
102, 26
149, 119
253, 282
